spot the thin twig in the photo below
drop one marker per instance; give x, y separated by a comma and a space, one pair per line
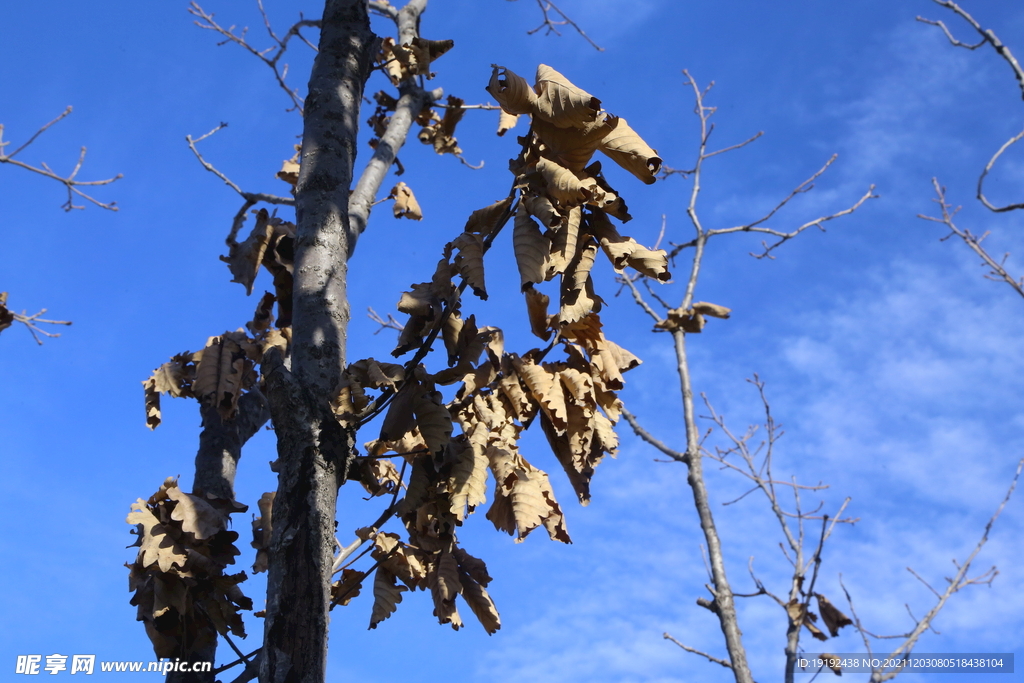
270, 56
997, 270
250, 197
69, 182
551, 25
716, 660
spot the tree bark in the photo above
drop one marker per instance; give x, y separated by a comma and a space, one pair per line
313, 449
220, 447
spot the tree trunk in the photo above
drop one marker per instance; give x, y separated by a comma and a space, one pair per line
313, 449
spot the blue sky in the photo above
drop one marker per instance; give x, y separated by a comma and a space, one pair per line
892, 363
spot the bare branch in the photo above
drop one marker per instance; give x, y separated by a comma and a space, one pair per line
31, 322
562, 19
270, 56
390, 323
69, 182
987, 36
646, 436
988, 167
250, 197
997, 271
716, 660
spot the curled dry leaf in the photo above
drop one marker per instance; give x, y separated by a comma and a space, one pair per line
541, 208
537, 309
469, 261
798, 614
578, 298
714, 310
511, 90
347, 587
244, 259
506, 122
564, 242
629, 151
263, 318
573, 147
467, 484
833, 618
562, 184
562, 103
289, 172
405, 202
484, 221
623, 251
531, 249
433, 420
223, 370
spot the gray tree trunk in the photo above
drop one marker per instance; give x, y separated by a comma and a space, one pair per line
313, 450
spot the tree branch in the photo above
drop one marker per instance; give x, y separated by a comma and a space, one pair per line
997, 271
69, 182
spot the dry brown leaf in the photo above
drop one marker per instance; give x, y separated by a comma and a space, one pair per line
546, 388
523, 499
537, 309
798, 615
347, 587
468, 481
541, 208
289, 172
833, 618
197, 516
386, 596
153, 417
244, 259
562, 103
469, 261
480, 602
483, 221
426, 51
406, 205
578, 298
263, 318
565, 241
714, 310
531, 248
506, 122
629, 151
623, 251
512, 91
223, 371
433, 420
574, 147
6, 316
562, 184
155, 546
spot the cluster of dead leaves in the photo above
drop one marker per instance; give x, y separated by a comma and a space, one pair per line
183, 596
453, 447
402, 62
831, 617
567, 193
218, 374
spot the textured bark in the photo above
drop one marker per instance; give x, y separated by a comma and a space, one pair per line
724, 604
220, 447
312, 447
